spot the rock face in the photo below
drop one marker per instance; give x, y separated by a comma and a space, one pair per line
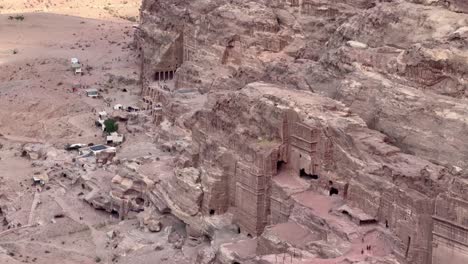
347, 118
401, 65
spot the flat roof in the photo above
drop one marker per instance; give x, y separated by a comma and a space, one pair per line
98, 147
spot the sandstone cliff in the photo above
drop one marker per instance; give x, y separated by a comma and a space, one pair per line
401, 65
281, 102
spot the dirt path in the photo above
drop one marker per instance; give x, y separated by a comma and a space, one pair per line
22, 139
34, 204
98, 237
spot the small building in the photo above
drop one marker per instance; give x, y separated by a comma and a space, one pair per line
115, 138
78, 71
101, 148
76, 67
100, 123
41, 179
102, 115
74, 61
95, 150
118, 107
93, 93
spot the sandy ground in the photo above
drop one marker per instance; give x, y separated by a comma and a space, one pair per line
37, 104
36, 101
98, 9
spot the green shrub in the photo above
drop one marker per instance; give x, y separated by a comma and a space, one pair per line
111, 125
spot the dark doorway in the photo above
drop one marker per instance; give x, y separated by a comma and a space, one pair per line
212, 212
386, 223
345, 191
171, 75
279, 165
333, 191
367, 222
156, 76
305, 175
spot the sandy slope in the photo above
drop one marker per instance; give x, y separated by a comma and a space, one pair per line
35, 83
37, 105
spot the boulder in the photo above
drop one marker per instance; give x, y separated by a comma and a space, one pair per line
206, 256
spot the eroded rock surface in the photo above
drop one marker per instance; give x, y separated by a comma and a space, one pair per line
399, 64
347, 119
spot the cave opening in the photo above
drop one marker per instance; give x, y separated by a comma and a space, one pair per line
139, 201
333, 191
386, 223
212, 211
304, 175
347, 214
114, 213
